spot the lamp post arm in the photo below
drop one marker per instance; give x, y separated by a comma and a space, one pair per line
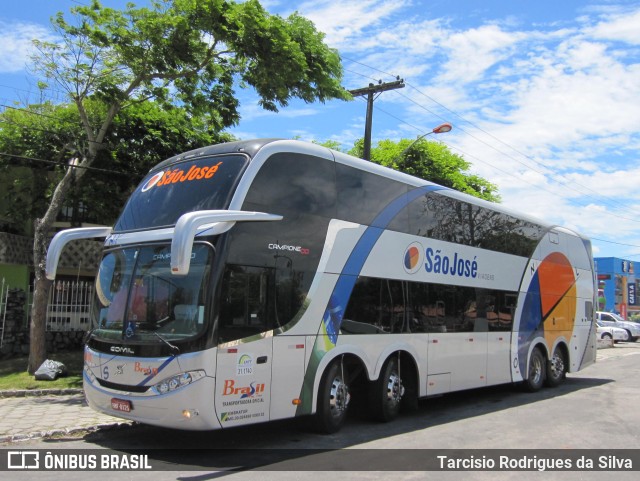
440, 129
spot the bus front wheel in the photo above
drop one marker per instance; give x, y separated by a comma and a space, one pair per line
387, 392
333, 399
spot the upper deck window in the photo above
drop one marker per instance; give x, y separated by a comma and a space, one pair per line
163, 196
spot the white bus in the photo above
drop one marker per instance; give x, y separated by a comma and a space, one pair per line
268, 279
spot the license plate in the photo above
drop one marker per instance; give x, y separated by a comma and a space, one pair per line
121, 405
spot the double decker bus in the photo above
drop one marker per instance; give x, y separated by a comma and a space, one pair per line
268, 279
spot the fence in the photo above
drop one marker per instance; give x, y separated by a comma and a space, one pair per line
69, 306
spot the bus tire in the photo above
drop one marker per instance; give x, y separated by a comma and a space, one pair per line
537, 371
556, 368
387, 392
333, 399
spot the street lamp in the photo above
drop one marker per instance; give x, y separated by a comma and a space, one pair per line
440, 129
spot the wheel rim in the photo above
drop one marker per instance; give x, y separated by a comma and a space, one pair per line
395, 389
557, 365
338, 397
535, 371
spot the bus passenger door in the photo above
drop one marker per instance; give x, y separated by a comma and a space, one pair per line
243, 383
245, 347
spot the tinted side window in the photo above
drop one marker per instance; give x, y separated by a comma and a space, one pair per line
245, 307
376, 306
390, 306
295, 182
362, 196
256, 299
443, 218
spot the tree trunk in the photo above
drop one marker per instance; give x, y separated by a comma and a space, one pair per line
37, 328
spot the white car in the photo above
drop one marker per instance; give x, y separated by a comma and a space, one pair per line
610, 319
608, 332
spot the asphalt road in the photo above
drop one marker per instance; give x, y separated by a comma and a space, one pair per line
595, 409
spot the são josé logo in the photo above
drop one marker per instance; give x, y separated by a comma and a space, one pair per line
439, 261
413, 257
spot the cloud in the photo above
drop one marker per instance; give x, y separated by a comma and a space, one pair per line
343, 22
621, 27
472, 52
16, 44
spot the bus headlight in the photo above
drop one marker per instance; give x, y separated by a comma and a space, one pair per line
172, 383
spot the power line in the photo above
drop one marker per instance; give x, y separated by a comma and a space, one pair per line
62, 164
511, 174
29, 128
600, 198
33, 112
44, 116
613, 242
56, 97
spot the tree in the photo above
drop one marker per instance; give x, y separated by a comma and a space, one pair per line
431, 161
178, 52
141, 136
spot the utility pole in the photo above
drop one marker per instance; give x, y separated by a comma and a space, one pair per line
369, 92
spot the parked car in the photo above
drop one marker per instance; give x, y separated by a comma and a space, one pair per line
608, 332
613, 320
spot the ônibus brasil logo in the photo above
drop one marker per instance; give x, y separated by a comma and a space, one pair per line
413, 256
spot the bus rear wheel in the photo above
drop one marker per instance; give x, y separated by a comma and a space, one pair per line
556, 368
387, 392
333, 399
537, 371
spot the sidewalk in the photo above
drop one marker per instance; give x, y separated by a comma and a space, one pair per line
24, 415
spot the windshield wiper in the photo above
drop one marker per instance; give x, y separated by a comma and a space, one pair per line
175, 350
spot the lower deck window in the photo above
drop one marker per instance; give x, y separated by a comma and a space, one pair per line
392, 306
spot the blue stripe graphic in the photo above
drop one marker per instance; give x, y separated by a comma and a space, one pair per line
344, 286
162, 366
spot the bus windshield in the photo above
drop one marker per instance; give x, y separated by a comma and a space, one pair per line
164, 195
137, 298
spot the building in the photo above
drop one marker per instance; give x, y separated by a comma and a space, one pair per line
617, 286
68, 303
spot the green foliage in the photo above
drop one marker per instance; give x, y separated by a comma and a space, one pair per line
191, 52
147, 83
431, 161
142, 135
44, 132
330, 144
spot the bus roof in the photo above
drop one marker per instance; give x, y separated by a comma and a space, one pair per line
249, 147
253, 146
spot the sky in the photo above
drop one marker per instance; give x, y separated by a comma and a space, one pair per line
543, 96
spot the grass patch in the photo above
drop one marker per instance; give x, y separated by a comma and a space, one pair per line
14, 375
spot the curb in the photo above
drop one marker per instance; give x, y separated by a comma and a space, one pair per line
72, 431
15, 438
40, 392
